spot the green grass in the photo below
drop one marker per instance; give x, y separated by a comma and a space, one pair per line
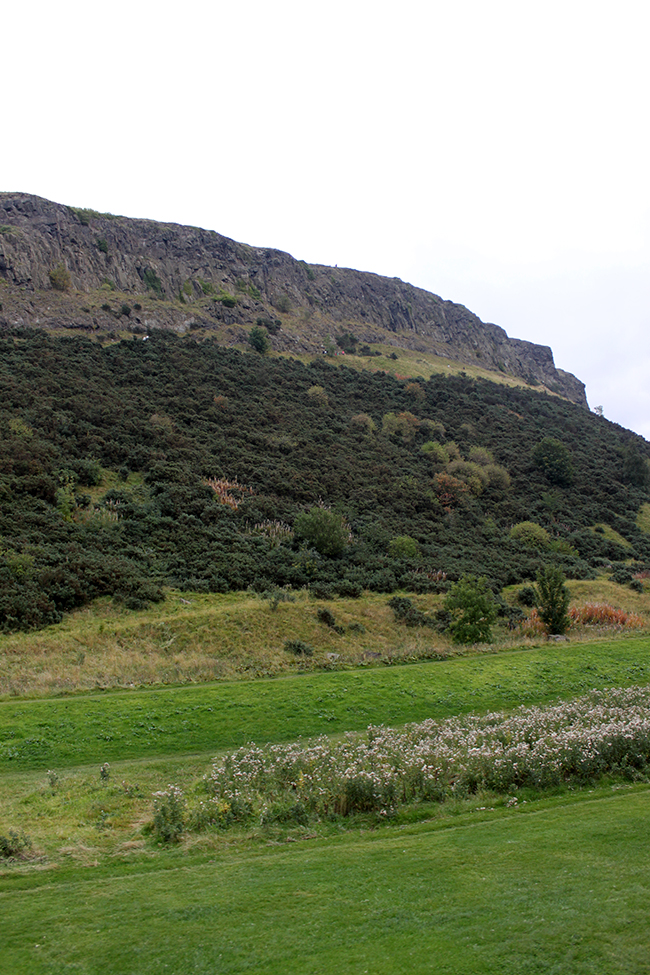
558, 886
611, 534
643, 518
95, 728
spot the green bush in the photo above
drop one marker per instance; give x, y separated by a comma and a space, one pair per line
283, 304
60, 278
258, 338
554, 459
530, 534
362, 423
326, 530
404, 547
15, 845
472, 608
405, 612
318, 395
435, 451
299, 648
527, 596
326, 616
347, 342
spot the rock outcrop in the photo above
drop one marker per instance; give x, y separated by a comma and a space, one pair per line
53, 257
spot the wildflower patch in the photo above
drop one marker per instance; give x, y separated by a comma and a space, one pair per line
375, 772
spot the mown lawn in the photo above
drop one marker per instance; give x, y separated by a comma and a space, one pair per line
560, 886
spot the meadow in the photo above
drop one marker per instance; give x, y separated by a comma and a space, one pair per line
522, 879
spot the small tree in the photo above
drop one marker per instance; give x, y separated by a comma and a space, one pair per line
471, 605
554, 459
404, 547
259, 339
552, 599
325, 530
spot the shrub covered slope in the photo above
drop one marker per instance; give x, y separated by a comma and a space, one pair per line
171, 461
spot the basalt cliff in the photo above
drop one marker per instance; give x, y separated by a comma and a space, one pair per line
65, 268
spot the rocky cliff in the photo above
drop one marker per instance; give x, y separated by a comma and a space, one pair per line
64, 267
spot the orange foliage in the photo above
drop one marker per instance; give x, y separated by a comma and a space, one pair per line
449, 490
599, 614
222, 488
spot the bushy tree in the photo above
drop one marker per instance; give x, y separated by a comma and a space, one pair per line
554, 459
259, 339
552, 599
530, 534
635, 467
404, 547
327, 531
471, 605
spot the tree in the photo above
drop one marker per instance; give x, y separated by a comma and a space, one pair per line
530, 534
552, 599
259, 339
327, 531
635, 467
554, 459
404, 547
471, 605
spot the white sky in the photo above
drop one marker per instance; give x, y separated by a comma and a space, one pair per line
495, 152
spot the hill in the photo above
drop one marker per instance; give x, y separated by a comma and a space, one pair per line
66, 268
142, 464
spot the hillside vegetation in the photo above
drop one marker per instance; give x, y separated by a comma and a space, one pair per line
174, 462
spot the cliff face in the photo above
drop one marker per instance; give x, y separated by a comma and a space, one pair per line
200, 279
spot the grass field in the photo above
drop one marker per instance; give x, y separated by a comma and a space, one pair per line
555, 887
82, 729
550, 884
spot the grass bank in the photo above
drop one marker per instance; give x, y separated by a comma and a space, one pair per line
201, 638
104, 727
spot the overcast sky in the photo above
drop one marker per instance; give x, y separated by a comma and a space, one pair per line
495, 152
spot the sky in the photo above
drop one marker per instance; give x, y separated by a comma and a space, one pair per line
495, 153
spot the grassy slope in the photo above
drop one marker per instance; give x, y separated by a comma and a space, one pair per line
64, 732
197, 638
556, 885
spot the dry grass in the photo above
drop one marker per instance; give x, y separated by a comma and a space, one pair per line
194, 638
197, 638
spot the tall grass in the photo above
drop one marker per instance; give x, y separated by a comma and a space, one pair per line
198, 638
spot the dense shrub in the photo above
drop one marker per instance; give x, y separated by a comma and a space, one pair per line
259, 339
60, 278
554, 459
326, 530
299, 648
212, 414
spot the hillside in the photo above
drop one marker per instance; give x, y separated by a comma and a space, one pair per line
65, 268
174, 461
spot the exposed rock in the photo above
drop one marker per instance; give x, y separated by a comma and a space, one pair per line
51, 256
